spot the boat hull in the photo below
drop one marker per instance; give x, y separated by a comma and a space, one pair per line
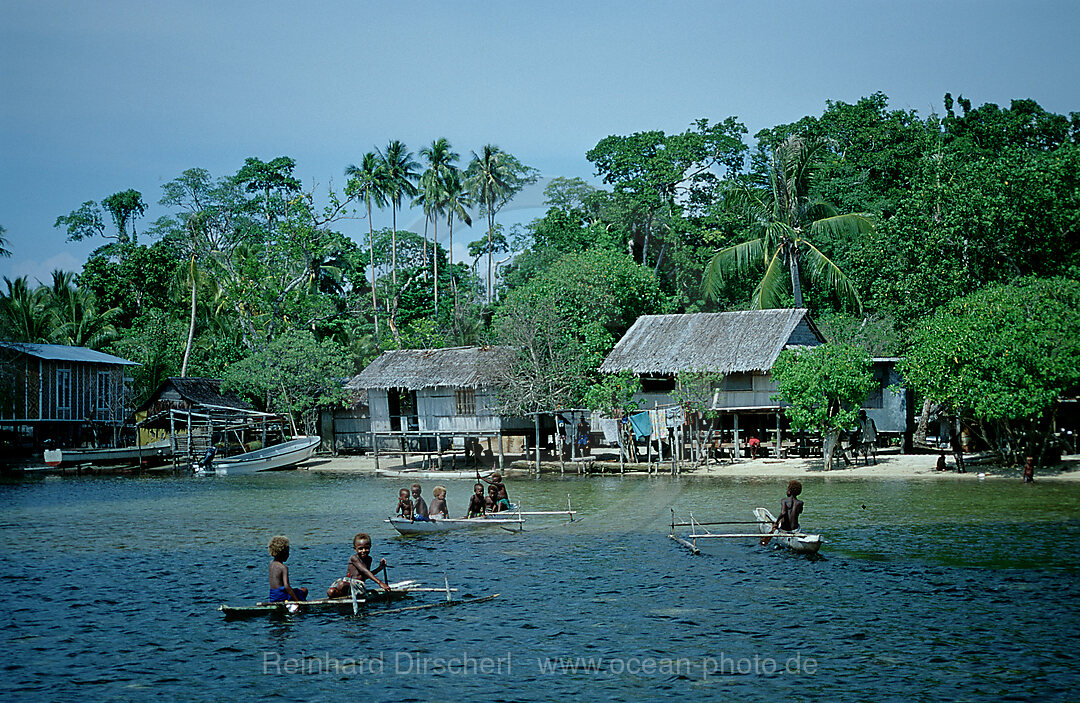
795, 541
155, 452
512, 522
321, 605
278, 457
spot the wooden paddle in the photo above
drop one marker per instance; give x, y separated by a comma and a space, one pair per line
765, 540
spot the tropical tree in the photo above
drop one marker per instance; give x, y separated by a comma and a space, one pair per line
23, 312
400, 174
89, 221
494, 178
4, 251
457, 203
440, 158
369, 182
76, 320
781, 215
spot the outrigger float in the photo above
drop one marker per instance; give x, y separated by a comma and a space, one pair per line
700, 536
356, 603
511, 520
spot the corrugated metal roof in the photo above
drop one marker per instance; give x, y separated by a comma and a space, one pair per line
720, 342
62, 352
414, 369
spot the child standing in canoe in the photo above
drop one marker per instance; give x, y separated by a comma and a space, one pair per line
280, 590
359, 568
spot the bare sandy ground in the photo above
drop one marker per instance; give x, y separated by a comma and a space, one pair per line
890, 465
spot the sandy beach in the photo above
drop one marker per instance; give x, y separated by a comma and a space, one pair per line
890, 465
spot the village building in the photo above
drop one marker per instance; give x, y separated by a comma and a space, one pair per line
70, 396
347, 429
431, 400
741, 347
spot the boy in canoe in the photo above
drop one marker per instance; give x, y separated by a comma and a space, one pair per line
420, 507
359, 568
280, 590
477, 503
404, 504
438, 507
790, 508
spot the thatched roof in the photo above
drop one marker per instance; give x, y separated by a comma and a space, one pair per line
414, 369
194, 392
721, 342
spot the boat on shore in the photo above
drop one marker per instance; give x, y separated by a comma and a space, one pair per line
277, 457
153, 453
428, 474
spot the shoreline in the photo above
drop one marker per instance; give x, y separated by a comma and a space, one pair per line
889, 466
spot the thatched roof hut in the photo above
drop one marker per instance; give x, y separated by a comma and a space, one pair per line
721, 342
183, 393
417, 369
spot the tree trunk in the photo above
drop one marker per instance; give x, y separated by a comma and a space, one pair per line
371, 250
435, 258
491, 230
393, 248
191, 323
919, 440
796, 283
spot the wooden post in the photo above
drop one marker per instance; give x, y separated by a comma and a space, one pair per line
559, 444
438, 448
619, 434
779, 437
736, 416
375, 448
536, 448
403, 462
501, 461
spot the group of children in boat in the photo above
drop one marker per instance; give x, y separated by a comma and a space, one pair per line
412, 506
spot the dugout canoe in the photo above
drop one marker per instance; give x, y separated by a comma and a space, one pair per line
343, 605
800, 542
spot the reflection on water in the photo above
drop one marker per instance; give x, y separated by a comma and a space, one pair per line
927, 590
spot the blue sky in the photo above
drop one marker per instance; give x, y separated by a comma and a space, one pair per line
98, 97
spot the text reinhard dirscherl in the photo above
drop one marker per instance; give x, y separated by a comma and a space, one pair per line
417, 664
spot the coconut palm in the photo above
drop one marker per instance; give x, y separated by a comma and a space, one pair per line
491, 180
369, 180
24, 316
76, 320
400, 181
4, 251
440, 157
782, 218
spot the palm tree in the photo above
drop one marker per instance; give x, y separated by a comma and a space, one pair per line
781, 218
457, 202
440, 157
24, 316
4, 251
369, 180
491, 180
76, 319
400, 178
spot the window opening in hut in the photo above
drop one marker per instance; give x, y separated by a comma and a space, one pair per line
402, 406
466, 401
102, 390
63, 389
657, 384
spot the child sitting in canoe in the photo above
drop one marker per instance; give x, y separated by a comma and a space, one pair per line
790, 508
280, 590
498, 504
404, 504
420, 507
477, 504
438, 507
359, 568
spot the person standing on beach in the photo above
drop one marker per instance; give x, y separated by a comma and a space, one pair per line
1029, 470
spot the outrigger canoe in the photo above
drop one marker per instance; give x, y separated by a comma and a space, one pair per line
510, 520
700, 537
356, 604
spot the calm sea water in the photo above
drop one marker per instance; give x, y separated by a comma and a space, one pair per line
926, 591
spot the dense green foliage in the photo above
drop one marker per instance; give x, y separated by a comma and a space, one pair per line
1002, 356
825, 386
862, 204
